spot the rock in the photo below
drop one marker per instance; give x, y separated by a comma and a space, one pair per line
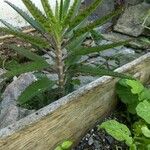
103, 42
103, 9
52, 76
90, 141
48, 59
109, 53
96, 54
104, 28
112, 64
109, 139
126, 51
97, 60
97, 145
83, 59
84, 80
130, 22
136, 43
115, 37
2, 71
9, 111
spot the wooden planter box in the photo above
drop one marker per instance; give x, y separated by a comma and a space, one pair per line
71, 116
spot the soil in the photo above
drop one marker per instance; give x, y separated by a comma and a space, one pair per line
100, 140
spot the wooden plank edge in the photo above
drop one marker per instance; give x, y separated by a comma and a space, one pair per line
22, 134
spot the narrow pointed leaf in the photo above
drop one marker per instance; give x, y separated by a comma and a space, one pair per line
84, 14
33, 66
98, 71
76, 43
9, 25
70, 14
57, 10
37, 41
48, 11
84, 51
35, 88
66, 7
29, 19
27, 53
51, 18
61, 9
97, 23
37, 14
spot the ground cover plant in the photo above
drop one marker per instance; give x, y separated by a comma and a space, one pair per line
136, 97
61, 36
66, 145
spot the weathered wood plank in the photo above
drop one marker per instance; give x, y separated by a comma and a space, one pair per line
71, 116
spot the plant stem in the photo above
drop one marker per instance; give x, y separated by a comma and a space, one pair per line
60, 67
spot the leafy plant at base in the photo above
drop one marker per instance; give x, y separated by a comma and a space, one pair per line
137, 99
119, 131
61, 36
66, 145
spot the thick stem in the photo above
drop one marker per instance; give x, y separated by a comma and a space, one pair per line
60, 67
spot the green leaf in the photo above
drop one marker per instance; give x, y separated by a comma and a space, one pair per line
61, 9
37, 41
38, 15
58, 148
29, 67
12, 64
144, 95
66, 145
117, 130
29, 19
126, 96
51, 18
9, 25
133, 147
98, 71
76, 43
27, 53
85, 51
136, 86
96, 23
143, 110
66, 7
146, 131
35, 88
136, 127
57, 10
84, 14
96, 36
48, 11
70, 14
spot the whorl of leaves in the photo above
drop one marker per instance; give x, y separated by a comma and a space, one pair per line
84, 14
37, 14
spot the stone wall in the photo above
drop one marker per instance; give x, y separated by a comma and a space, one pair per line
106, 7
109, 5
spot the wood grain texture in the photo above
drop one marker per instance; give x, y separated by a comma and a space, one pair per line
71, 116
